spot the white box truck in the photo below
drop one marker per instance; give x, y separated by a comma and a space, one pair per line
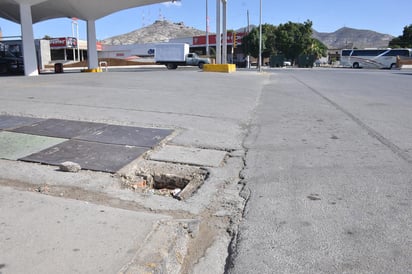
173, 55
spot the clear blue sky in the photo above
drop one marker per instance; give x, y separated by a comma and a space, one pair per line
383, 16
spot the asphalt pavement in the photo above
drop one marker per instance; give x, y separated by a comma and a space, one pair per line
328, 175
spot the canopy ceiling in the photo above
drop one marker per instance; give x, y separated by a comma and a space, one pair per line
82, 9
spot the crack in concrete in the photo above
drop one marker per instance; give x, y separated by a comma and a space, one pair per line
245, 192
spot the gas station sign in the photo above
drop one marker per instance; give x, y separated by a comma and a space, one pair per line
63, 43
231, 36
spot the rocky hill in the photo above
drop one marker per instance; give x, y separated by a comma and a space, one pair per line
348, 38
163, 30
159, 31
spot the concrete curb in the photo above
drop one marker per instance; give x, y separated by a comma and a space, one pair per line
164, 249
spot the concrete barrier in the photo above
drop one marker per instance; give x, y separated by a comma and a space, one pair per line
92, 70
228, 68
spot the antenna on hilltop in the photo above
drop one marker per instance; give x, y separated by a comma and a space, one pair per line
160, 15
143, 19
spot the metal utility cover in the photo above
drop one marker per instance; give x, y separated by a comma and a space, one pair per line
89, 155
12, 122
191, 156
124, 135
17, 145
60, 128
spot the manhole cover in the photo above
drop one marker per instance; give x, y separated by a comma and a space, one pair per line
94, 146
11, 122
60, 128
125, 135
89, 155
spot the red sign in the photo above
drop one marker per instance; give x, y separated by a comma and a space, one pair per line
63, 42
201, 40
99, 46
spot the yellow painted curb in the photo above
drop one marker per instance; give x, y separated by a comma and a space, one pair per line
92, 70
228, 68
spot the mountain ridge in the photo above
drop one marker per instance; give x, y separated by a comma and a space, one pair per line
159, 31
353, 38
163, 31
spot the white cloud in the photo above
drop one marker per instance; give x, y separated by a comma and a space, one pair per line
174, 3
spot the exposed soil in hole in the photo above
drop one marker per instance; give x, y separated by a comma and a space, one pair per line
169, 181
178, 181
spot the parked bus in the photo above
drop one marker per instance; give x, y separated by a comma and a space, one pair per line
372, 58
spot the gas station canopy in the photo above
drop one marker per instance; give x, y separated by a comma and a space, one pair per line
27, 12
83, 9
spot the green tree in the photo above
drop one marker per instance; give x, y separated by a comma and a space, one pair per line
318, 49
269, 44
290, 39
250, 42
403, 41
294, 39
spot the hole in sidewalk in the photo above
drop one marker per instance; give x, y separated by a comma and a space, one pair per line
169, 181
177, 181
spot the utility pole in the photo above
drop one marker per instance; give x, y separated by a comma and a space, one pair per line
260, 38
207, 29
224, 47
248, 31
75, 26
218, 34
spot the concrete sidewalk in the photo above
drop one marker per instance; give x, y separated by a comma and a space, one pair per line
90, 222
44, 234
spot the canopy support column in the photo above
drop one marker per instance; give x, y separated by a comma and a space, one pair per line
224, 42
92, 59
29, 49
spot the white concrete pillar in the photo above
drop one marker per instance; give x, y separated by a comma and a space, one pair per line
92, 59
218, 34
224, 44
29, 49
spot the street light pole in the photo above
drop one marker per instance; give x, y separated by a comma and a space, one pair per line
75, 25
207, 29
218, 34
78, 41
224, 43
260, 38
74, 49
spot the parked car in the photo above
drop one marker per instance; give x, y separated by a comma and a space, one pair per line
240, 63
10, 64
287, 63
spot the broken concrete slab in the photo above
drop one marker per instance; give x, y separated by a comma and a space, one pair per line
166, 249
189, 155
14, 146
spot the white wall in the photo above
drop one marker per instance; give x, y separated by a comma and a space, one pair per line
125, 51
